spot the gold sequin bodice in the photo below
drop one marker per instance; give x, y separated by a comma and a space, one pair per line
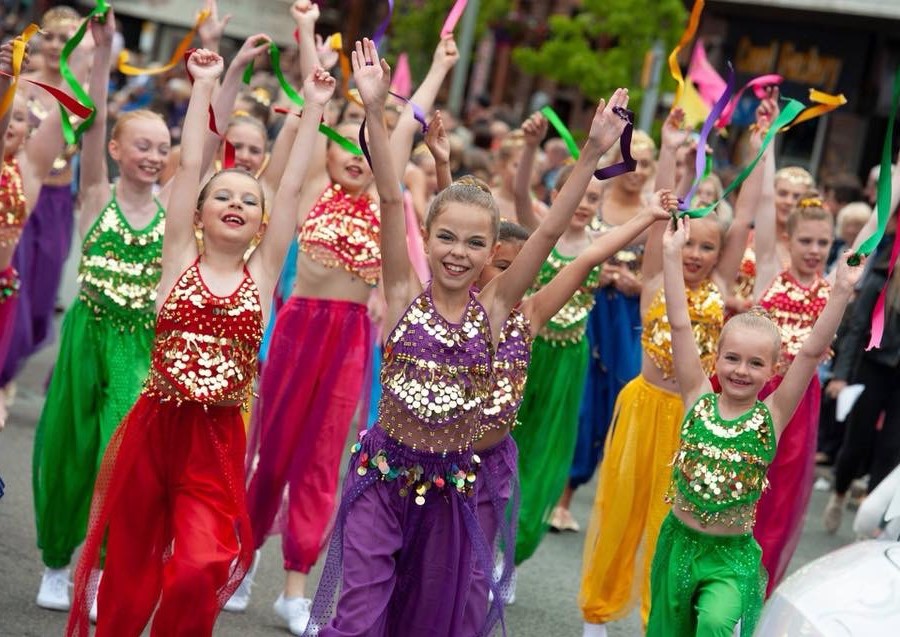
720, 468
13, 207
706, 309
510, 374
436, 377
206, 346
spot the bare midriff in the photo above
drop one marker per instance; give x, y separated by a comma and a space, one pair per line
317, 281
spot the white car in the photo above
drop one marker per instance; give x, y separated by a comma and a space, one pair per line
852, 592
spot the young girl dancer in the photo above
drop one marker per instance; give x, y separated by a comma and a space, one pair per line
629, 506
108, 331
323, 328
496, 447
794, 298
26, 160
406, 534
707, 574
170, 490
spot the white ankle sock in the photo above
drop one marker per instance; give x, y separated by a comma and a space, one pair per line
594, 630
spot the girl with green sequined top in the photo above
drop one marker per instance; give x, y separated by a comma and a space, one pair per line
707, 572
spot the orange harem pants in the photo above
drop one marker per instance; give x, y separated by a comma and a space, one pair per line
309, 391
630, 505
170, 493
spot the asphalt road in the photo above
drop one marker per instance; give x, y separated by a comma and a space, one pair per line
547, 585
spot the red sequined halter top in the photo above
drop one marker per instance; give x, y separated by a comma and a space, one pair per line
206, 346
13, 210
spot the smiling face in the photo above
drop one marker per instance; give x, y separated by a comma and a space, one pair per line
249, 143
231, 209
701, 251
350, 171
589, 207
746, 361
140, 146
808, 244
459, 243
787, 194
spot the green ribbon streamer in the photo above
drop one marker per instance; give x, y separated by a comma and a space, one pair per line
788, 113
296, 98
562, 130
884, 183
69, 134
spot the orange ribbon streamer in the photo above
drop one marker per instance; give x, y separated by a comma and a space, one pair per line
821, 103
686, 38
18, 57
127, 69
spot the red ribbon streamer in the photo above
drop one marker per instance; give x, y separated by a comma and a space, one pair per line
878, 314
228, 158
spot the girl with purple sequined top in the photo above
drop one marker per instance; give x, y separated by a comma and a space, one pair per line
406, 534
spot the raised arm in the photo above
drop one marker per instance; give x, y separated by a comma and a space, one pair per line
94, 189
535, 129
281, 152
179, 245
6, 53
212, 29
506, 290
318, 88
872, 224
765, 243
692, 382
674, 135
439, 144
445, 57
373, 79
547, 301
785, 399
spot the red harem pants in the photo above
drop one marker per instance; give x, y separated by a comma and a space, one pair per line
308, 393
170, 490
9, 300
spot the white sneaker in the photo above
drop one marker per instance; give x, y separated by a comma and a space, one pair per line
509, 593
594, 630
54, 591
93, 613
294, 611
240, 599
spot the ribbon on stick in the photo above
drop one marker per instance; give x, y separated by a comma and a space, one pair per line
453, 17
686, 37
127, 69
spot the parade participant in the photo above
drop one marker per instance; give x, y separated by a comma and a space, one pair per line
707, 573
629, 506
406, 535
169, 492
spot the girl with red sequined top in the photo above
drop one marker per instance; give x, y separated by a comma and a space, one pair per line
794, 297
27, 159
707, 573
169, 498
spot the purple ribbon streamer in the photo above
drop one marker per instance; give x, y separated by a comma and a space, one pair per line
628, 164
418, 114
383, 27
708, 125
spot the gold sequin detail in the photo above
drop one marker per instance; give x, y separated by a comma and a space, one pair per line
13, 207
567, 326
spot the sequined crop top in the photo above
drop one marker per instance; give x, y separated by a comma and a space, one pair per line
567, 326
13, 208
794, 308
206, 345
120, 268
706, 309
510, 373
343, 231
436, 377
720, 469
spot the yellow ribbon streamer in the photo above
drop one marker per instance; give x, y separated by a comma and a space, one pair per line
686, 38
337, 44
821, 103
127, 69
18, 57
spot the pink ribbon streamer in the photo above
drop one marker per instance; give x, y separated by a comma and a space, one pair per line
710, 84
759, 85
878, 317
453, 17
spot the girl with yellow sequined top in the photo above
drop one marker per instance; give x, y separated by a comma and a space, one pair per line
27, 156
629, 506
107, 332
707, 574
170, 496
406, 534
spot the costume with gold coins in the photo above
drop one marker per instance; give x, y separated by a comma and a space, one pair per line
104, 354
705, 583
170, 493
630, 506
549, 413
13, 215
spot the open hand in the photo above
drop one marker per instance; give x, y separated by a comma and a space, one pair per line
371, 73
212, 29
535, 129
328, 56
205, 65
319, 86
674, 133
437, 141
609, 121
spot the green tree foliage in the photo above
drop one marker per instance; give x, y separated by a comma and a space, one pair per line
416, 28
604, 45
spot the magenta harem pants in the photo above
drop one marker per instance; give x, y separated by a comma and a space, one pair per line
308, 394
